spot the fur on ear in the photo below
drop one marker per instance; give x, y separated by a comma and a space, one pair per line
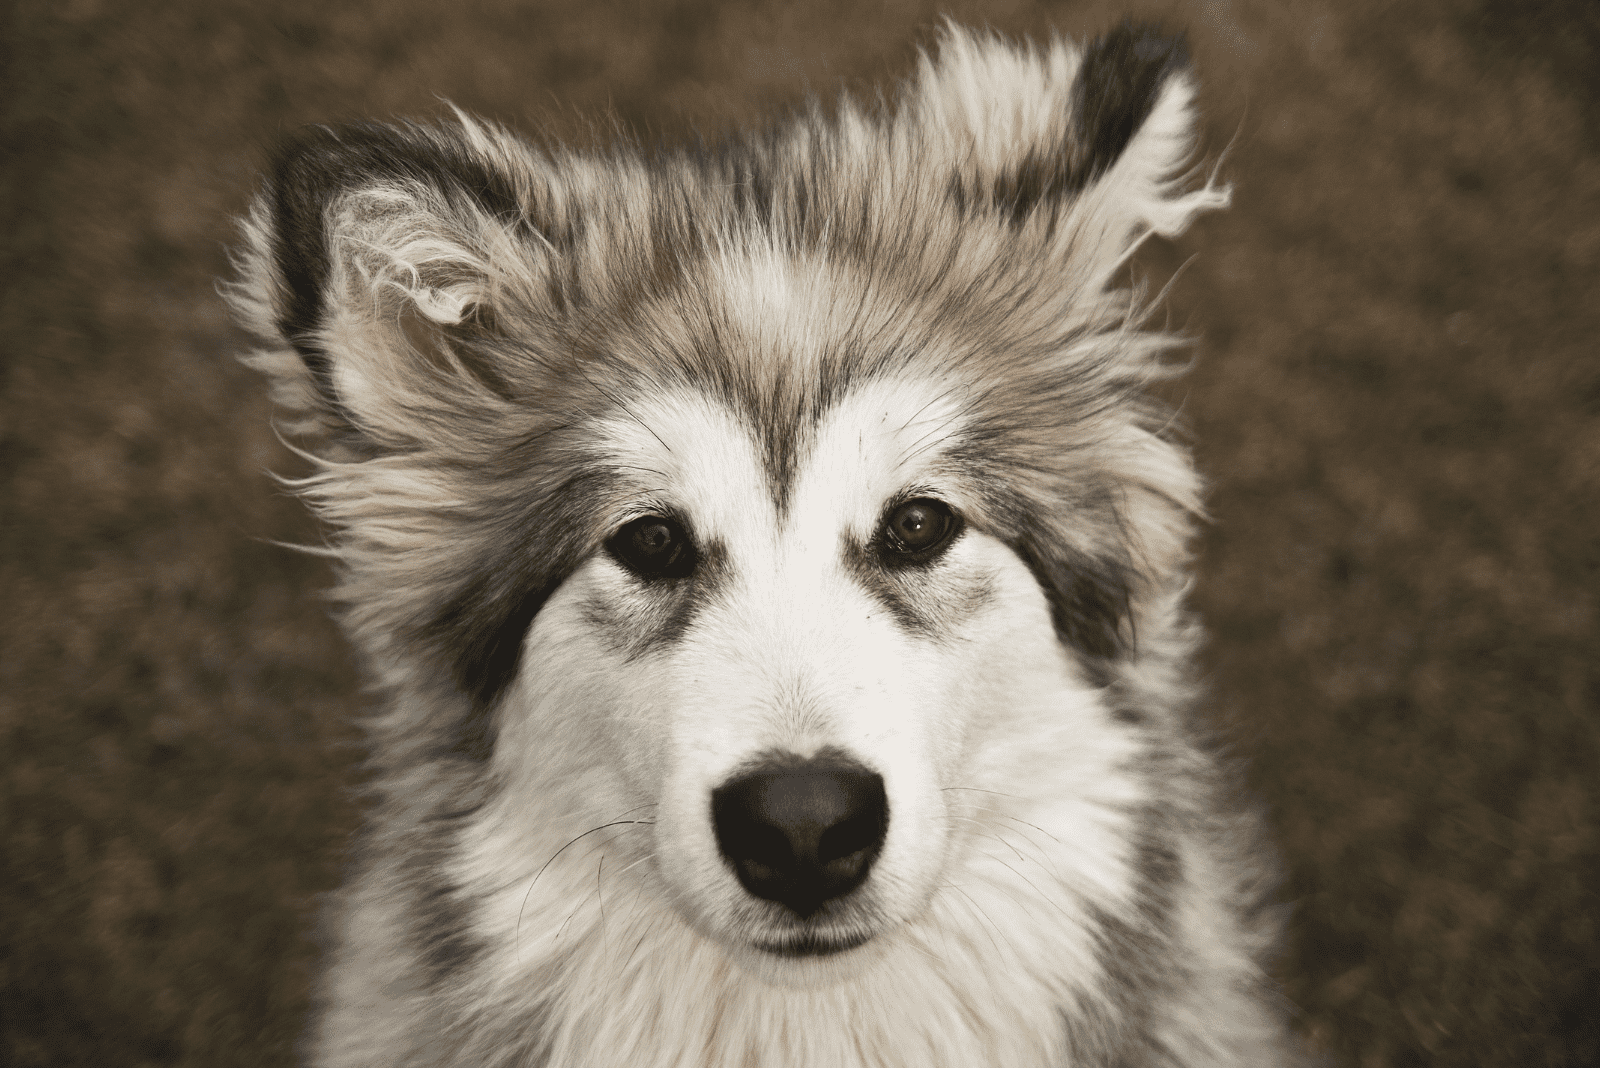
379, 263
1027, 133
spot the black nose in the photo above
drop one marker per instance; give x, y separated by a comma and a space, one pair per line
802, 832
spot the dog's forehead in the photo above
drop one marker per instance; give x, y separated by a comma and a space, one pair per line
779, 406
692, 451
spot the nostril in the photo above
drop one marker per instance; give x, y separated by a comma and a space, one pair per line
801, 832
852, 836
760, 846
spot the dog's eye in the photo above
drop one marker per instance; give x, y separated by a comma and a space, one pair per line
654, 546
916, 529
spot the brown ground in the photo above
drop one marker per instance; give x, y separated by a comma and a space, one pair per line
1396, 400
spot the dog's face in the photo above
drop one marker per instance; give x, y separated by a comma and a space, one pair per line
790, 679
775, 511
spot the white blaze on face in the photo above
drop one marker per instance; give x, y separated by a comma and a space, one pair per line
794, 654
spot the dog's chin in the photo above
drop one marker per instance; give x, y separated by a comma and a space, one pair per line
812, 944
807, 958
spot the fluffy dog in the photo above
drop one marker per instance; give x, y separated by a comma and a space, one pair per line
771, 569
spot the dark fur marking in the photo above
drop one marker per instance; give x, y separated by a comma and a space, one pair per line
788, 758
319, 165
785, 416
785, 423
927, 612
780, 413
709, 577
1133, 717
1117, 87
660, 614
1136, 956
1158, 866
864, 565
766, 186
480, 629
440, 931
753, 190
1088, 596
1038, 178
1089, 599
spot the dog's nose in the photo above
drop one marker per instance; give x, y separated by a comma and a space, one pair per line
802, 832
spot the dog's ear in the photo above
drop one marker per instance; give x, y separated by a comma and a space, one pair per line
1088, 147
383, 263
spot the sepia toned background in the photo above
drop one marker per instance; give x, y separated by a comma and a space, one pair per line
1395, 400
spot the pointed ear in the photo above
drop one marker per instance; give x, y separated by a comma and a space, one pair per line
1087, 147
379, 264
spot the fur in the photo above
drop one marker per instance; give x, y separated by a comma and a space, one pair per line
497, 357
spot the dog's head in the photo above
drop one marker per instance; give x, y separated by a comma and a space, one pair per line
796, 499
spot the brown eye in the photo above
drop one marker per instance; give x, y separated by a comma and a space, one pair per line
918, 528
654, 546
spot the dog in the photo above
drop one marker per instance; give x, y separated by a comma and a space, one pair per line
771, 571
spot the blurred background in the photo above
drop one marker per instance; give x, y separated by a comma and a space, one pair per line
1395, 400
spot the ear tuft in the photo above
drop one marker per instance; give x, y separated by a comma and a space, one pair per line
321, 165
1083, 147
1120, 78
380, 256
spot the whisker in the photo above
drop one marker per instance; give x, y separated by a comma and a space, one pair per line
636, 946
984, 916
976, 790
1047, 899
562, 929
991, 833
516, 937
599, 896
1036, 827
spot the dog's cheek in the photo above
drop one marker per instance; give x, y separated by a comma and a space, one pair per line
559, 722
1007, 671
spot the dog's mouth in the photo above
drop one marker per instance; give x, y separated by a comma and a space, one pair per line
814, 944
